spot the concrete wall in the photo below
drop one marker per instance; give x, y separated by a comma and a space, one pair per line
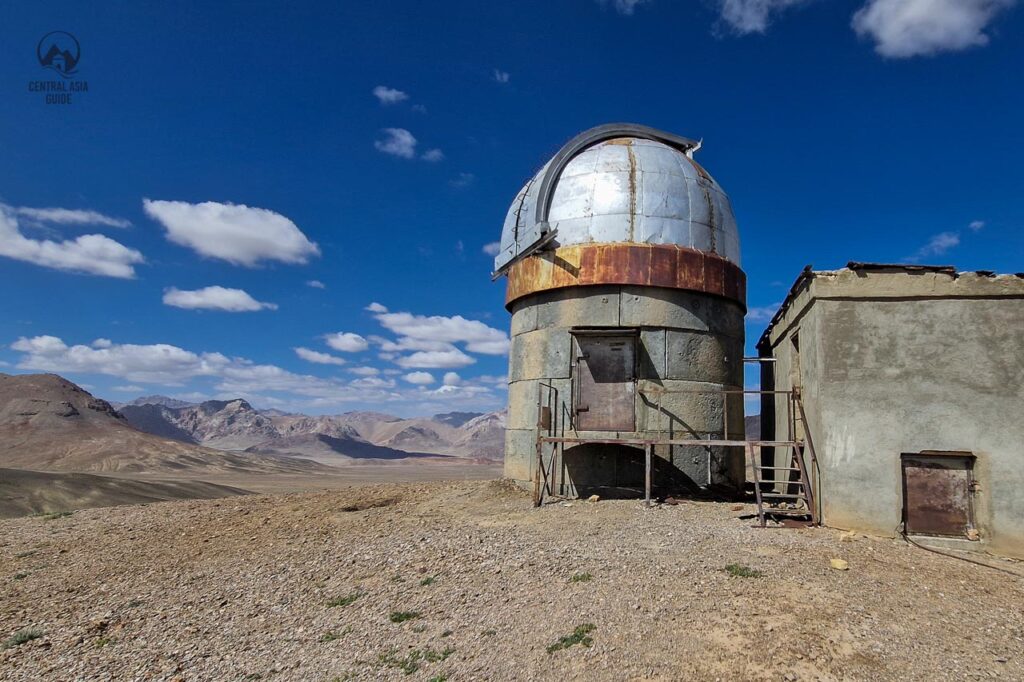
687, 341
893, 363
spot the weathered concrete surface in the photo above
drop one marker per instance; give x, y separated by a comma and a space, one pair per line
688, 343
891, 362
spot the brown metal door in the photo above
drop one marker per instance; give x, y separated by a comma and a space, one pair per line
605, 383
937, 494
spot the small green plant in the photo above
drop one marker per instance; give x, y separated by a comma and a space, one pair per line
741, 571
411, 663
329, 637
581, 578
343, 601
581, 635
21, 636
439, 678
402, 616
20, 576
104, 641
397, 578
23, 555
429, 580
419, 628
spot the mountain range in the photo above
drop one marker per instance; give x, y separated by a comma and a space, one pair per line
235, 425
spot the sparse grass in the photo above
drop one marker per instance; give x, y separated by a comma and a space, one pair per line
397, 578
581, 635
411, 663
581, 578
23, 555
741, 571
419, 628
402, 616
104, 641
439, 678
20, 576
343, 601
21, 636
50, 516
329, 637
429, 580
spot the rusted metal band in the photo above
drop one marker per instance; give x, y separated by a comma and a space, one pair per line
654, 265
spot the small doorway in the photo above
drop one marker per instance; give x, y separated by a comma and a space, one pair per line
604, 376
937, 493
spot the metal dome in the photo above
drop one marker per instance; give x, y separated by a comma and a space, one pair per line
621, 183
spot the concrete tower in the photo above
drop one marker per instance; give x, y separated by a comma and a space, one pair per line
627, 301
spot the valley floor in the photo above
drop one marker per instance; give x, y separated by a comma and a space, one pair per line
466, 581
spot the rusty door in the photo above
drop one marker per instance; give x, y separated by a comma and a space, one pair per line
605, 382
937, 493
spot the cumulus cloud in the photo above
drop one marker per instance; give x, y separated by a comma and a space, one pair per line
346, 342
92, 254
911, 28
752, 16
364, 371
318, 357
452, 379
236, 233
70, 216
435, 359
501, 76
316, 284
477, 336
419, 378
492, 249
626, 7
976, 225
388, 95
156, 363
376, 308
215, 298
433, 155
397, 142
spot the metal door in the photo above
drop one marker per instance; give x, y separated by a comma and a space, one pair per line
937, 493
605, 382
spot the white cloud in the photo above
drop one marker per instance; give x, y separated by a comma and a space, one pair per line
976, 225
911, 28
477, 336
236, 233
452, 379
70, 216
376, 308
492, 249
128, 389
936, 246
364, 371
156, 363
92, 254
318, 357
434, 359
215, 298
419, 378
102, 343
316, 284
388, 95
397, 142
419, 108
462, 180
433, 155
752, 16
347, 342
762, 313
626, 7
501, 76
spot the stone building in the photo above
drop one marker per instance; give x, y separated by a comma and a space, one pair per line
912, 378
627, 301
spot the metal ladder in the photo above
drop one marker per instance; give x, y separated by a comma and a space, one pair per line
795, 490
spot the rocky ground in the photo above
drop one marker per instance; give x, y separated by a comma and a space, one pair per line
466, 581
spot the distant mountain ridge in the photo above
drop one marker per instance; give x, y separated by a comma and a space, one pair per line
237, 426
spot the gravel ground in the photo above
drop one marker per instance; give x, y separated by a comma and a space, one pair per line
242, 589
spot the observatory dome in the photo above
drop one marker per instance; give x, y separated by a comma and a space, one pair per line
625, 189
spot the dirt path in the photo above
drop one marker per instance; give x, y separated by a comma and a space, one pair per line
239, 589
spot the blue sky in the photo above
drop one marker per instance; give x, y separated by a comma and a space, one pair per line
873, 130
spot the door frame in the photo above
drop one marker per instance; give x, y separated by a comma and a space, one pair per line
631, 333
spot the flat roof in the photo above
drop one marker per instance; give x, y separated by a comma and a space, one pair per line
894, 281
